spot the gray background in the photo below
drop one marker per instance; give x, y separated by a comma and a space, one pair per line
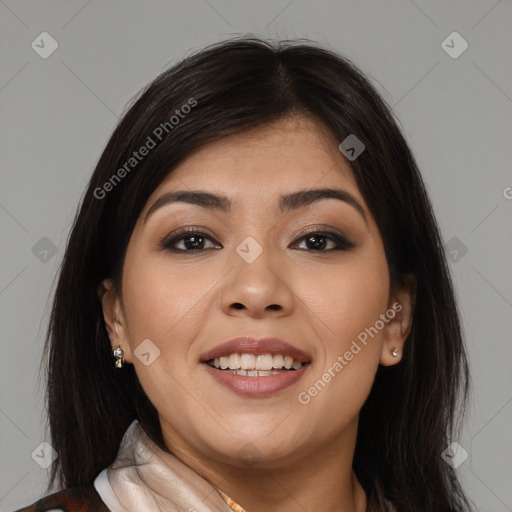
59, 112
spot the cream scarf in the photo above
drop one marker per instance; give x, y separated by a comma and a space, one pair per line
144, 478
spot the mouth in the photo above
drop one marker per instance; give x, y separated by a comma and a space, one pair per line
256, 368
261, 365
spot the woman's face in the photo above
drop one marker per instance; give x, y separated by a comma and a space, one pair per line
308, 270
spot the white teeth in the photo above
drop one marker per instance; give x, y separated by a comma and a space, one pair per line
288, 362
264, 362
278, 361
234, 361
247, 361
254, 373
251, 365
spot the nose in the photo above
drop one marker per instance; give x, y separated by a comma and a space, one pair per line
257, 289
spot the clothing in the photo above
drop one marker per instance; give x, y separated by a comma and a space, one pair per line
143, 478
76, 499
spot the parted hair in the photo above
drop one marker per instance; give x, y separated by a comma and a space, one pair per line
415, 408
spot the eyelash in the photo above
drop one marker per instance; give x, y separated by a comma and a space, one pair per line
167, 242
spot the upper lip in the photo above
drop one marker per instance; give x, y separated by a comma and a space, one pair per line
248, 345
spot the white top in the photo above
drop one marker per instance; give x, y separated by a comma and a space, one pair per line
145, 478
102, 485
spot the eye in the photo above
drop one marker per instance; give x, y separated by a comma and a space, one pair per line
193, 240
316, 241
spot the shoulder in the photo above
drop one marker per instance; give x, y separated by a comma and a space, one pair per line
75, 499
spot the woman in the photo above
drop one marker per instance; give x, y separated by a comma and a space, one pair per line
254, 311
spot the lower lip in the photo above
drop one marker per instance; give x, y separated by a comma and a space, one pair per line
257, 387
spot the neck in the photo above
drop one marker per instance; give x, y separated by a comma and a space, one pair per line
320, 480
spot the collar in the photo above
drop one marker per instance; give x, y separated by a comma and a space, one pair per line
144, 478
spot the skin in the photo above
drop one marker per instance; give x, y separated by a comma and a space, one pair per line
187, 303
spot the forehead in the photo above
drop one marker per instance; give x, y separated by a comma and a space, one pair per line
292, 153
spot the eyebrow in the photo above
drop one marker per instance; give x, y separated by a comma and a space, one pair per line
287, 202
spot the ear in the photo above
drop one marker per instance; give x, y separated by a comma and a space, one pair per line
395, 332
114, 318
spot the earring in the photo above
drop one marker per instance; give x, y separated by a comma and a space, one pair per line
394, 352
118, 354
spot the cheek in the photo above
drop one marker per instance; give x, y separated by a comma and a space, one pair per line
347, 304
160, 301
163, 305
348, 299
362, 297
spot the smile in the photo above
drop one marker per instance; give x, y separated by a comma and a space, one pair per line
250, 376
254, 365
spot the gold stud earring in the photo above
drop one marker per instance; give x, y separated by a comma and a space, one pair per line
118, 354
394, 352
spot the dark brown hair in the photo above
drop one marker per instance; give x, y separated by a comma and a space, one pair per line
414, 409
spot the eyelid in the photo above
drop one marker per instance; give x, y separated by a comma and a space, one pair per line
344, 243
192, 230
322, 228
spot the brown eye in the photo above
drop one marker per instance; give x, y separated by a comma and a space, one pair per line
317, 241
192, 241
